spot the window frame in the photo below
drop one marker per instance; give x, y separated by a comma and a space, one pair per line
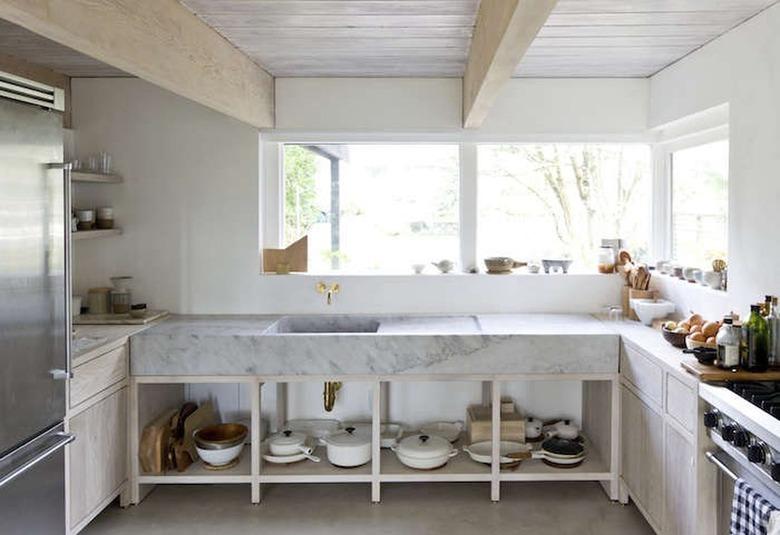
663, 153
272, 189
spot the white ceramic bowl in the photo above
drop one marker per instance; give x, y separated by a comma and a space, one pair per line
220, 457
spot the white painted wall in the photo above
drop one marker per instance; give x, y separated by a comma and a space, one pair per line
525, 109
189, 208
742, 69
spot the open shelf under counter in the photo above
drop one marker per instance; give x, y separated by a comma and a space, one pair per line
196, 473
458, 468
92, 234
593, 468
307, 471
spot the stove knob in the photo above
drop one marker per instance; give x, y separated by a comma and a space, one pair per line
710, 419
776, 471
756, 454
728, 433
740, 439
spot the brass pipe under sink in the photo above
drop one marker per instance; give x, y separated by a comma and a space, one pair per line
329, 394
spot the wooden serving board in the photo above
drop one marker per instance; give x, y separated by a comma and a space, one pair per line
118, 319
708, 373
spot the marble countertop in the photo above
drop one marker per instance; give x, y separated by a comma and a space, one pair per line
100, 339
402, 345
652, 342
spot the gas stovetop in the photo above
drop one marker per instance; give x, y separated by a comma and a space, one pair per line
764, 395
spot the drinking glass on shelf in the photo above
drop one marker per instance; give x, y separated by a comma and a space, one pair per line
105, 163
92, 163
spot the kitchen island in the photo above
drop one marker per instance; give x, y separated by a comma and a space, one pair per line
380, 350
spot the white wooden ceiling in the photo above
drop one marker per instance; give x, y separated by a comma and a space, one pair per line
600, 38
24, 44
431, 38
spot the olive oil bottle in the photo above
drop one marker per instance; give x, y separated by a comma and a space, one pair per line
754, 350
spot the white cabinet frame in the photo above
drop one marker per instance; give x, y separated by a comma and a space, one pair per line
601, 420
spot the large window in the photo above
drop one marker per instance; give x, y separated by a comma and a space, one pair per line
700, 204
372, 208
559, 200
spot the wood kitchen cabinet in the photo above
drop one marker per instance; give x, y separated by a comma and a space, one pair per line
642, 454
97, 461
658, 452
679, 513
98, 456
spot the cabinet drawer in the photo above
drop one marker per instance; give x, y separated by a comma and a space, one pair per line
680, 402
98, 374
642, 372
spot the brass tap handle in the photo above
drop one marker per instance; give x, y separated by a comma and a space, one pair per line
328, 289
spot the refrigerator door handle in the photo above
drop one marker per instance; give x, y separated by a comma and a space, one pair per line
63, 440
67, 168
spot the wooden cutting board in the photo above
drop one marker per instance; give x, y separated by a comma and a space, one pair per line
708, 373
118, 319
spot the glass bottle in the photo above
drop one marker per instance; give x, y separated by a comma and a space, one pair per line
773, 323
728, 340
754, 355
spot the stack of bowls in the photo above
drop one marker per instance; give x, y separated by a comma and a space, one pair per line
221, 444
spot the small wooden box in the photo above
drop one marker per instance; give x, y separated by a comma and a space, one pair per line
479, 425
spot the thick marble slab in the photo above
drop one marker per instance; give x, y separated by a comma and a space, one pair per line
464, 345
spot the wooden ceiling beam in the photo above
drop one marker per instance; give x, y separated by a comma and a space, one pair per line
503, 32
159, 41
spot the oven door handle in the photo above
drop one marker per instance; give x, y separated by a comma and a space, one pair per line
713, 458
63, 439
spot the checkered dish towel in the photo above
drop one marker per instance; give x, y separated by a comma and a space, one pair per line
750, 512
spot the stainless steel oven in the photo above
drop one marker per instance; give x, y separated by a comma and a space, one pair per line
741, 419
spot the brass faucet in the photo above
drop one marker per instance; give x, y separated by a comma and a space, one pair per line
329, 290
330, 388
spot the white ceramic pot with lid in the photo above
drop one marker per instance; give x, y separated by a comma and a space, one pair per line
348, 448
424, 452
564, 429
533, 428
290, 443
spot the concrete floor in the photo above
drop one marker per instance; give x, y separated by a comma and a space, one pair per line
444, 508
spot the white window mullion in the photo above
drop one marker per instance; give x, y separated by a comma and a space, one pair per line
468, 206
661, 211
273, 190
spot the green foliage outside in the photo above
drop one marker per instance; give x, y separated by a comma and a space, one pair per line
300, 210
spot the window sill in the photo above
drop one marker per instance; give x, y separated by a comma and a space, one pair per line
693, 286
430, 275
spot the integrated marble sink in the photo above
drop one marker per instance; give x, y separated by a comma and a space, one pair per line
341, 345
359, 324
324, 325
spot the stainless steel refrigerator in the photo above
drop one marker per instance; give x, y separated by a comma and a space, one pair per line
34, 308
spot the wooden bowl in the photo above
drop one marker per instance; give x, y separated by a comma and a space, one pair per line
220, 436
676, 339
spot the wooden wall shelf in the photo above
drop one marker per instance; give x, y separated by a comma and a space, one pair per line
96, 178
91, 234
